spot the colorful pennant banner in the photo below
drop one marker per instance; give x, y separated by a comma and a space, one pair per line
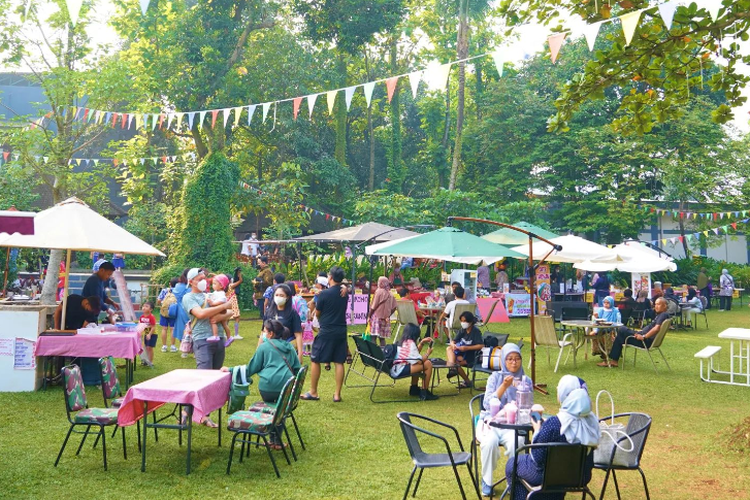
695, 236
696, 215
8, 156
307, 209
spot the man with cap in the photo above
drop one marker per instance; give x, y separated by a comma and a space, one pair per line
95, 285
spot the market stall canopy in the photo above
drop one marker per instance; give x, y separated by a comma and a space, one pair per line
362, 232
509, 237
15, 222
72, 225
574, 249
629, 257
447, 243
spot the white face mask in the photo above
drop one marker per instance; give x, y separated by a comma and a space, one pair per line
202, 285
465, 325
280, 301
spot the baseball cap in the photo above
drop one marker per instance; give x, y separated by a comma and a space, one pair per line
193, 273
322, 281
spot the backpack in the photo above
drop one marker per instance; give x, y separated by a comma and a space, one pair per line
166, 304
389, 353
239, 389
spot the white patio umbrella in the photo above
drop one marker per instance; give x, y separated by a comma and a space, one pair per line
72, 226
628, 257
574, 249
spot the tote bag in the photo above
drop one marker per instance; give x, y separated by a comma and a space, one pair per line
612, 434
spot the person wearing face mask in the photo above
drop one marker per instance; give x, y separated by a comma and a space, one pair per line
463, 348
208, 355
500, 387
282, 310
575, 423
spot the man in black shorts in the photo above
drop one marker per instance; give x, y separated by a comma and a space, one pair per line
330, 345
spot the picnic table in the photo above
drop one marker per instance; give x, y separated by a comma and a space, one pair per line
599, 331
200, 392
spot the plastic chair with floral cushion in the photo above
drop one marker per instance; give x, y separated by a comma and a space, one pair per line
299, 383
79, 414
261, 424
112, 392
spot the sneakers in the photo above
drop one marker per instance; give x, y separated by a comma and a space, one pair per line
145, 361
164, 348
229, 342
172, 349
238, 337
184, 355
415, 391
486, 489
426, 395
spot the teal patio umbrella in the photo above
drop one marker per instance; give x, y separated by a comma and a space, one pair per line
448, 244
510, 237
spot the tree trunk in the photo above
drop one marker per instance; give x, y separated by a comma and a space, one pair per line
49, 290
479, 88
340, 150
395, 170
446, 135
462, 52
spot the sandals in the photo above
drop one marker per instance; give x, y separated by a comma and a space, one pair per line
604, 364
209, 423
309, 397
465, 385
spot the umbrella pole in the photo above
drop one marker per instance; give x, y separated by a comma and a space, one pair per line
65, 290
532, 292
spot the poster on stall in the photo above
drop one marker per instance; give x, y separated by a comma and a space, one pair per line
360, 309
641, 281
518, 304
543, 288
24, 355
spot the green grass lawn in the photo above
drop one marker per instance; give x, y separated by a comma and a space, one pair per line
356, 450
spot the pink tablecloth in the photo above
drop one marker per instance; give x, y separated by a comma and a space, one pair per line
118, 345
499, 315
205, 390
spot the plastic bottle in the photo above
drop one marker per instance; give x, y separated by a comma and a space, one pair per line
511, 411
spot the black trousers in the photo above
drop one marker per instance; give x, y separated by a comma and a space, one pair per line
725, 302
622, 334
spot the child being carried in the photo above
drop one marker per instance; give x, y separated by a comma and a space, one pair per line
217, 297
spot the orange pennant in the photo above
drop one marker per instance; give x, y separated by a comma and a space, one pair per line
296, 102
555, 42
390, 86
214, 114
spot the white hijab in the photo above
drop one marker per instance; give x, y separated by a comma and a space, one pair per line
577, 422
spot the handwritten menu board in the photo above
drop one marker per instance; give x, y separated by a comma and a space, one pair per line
24, 354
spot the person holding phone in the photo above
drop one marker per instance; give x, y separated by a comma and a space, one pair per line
574, 423
500, 386
411, 362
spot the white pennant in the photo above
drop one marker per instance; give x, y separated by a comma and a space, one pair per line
202, 118
499, 59
237, 116
590, 31
436, 75
179, 120
191, 116
153, 125
414, 78
130, 120
226, 112
170, 116
144, 6
46, 159
666, 11
74, 9
250, 112
311, 103
368, 88
629, 23
331, 99
266, 107
348, 94
96, 162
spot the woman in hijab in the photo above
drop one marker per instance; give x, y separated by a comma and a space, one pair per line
575, 423
502, 386
383, 305
608, 312
726, 290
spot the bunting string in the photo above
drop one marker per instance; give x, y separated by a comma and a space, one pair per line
695, 236
435, 76
8, 156
677, 214
310, 210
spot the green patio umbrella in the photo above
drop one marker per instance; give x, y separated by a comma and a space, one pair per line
447, 243
509, 237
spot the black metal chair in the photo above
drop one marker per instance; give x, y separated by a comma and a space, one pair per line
502, 339
423, 460
564, 469
373, 357
637, 428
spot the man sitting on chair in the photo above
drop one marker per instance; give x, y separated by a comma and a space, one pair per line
646, 335
446, 317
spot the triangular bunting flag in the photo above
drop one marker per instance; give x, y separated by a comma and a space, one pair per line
214, 114
348, 94
331, 100
590, 32
137, 121
74, 9
368, 88
705, 233
170, 117
130, 120
114, 119
96, 161
251, 112
201, 118
499, 60
390, 86
437, 76
734, 225
629, 22
266, 107
311, 103
179, 120
237, 116
161, 121
666, 11
124, 120
145, 121
295, 105
154, 119
191, 117
144, 6
555, 42
414, 78
45, 158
